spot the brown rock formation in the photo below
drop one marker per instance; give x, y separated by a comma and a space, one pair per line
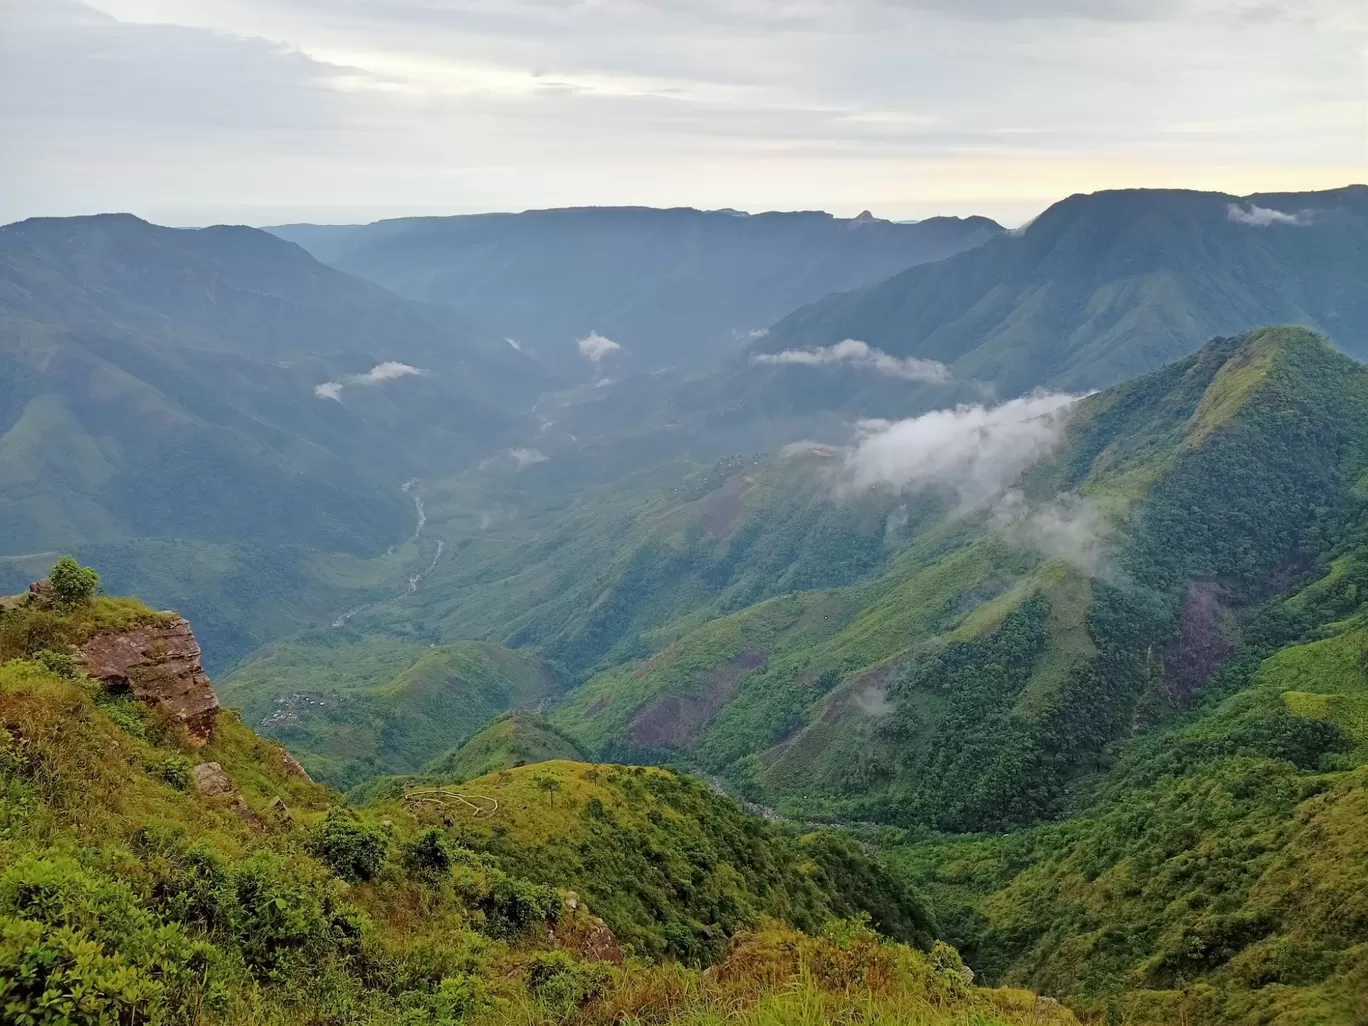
292, 767
160, 665
584, 933
210, 780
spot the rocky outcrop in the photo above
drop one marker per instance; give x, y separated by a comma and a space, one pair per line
210, 780
584, 933
160, 664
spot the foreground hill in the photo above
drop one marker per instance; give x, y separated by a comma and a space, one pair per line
672, 287
157, 874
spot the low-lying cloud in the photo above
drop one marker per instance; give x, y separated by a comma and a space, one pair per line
595, 347
387, 371
1262, 217
1069, 527
854, 353
971, 452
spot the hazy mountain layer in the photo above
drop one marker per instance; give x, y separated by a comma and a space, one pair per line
670, 287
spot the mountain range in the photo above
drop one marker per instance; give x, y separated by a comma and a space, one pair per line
675, 287
1031, 577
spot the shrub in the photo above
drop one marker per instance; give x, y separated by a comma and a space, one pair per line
175, 770
62, 664
77, 947
351, 849
562, 984
72, 584
429, 857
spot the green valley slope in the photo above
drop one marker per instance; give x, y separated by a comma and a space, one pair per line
970, 682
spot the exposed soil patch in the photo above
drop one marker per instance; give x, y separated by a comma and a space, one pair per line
1205, 640
596, 708
672, 721
723, 511
654, 663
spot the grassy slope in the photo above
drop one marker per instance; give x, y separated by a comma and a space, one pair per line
514, 739
347, 728
124, 896
1220, 876
672, 866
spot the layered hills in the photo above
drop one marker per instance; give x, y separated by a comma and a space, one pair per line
224, 422
670, 287
1097, 289
1102, 287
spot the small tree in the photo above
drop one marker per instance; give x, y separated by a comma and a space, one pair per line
72, 584
550, 785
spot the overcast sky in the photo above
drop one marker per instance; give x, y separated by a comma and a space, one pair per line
261, 111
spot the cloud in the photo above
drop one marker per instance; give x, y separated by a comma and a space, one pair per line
873, 701
1262, 217
1069, 527
527, 457
854, 353
596, 348
387, 371
971, 452
515, 344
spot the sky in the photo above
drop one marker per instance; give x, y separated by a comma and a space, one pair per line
268, 111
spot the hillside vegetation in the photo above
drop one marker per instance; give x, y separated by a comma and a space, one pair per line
348, 729
129, 892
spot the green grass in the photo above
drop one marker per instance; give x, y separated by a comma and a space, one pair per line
126, 896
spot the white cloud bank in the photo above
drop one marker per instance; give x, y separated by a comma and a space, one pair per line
595, 347
976, 454
972, 452
1262, 217
854, 353
387, 371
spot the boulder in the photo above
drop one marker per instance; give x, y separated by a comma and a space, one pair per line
160, 665
291, 766
210, 780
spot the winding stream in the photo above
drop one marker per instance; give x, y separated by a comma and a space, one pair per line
409, 488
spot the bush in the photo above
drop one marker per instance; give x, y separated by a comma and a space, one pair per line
77, 947
429, 857
175, 770
72, 584
61, 664
351, 849
562, 984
